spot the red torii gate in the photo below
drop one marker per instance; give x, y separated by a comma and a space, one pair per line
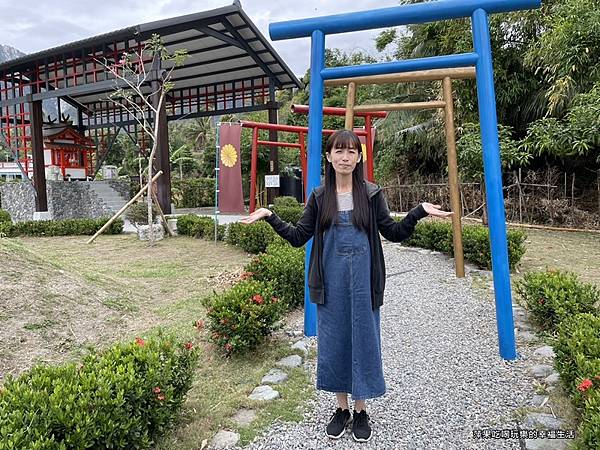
301, 144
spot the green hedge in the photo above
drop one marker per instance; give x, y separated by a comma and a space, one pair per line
123, 397
253, 238
5, 217
289, 214
68, 227
193, 192
553, 296
241, 317
199, 227
437, 235
283, 265
286, 200
137, 213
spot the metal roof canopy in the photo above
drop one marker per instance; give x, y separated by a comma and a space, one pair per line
230, 68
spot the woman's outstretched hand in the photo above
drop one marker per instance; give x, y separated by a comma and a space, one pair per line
260, 213
436, 210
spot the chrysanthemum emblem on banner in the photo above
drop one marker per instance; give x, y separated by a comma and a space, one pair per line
229, 155
231, 197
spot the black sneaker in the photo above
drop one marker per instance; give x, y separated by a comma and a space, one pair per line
338, 422
361, 430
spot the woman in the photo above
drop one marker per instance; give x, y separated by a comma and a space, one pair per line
346, 277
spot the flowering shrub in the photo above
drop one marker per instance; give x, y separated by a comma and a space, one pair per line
578, 361
123, 397
552, 296
283, 265
240, 318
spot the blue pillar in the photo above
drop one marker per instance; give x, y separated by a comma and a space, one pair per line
493, 183
315, 131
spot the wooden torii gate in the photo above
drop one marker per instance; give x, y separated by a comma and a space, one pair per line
445, 76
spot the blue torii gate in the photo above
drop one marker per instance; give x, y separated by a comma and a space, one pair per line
317, 28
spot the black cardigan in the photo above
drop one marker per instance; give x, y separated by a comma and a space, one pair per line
379, 222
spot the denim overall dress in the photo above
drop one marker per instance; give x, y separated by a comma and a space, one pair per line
348, 329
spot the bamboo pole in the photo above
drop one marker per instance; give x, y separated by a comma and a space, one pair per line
459, 263
162, 215
350, 99
400, 106
119, 212
520, 197
421, 75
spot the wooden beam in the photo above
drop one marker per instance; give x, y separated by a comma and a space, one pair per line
350, 100
421, 75
459, 263
37, 149
400, 106
163, 162
123, 209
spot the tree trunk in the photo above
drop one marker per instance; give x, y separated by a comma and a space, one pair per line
484, 217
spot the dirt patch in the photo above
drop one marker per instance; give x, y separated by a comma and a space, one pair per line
60, 295
578, 252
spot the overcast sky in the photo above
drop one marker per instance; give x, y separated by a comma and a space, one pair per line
34, 25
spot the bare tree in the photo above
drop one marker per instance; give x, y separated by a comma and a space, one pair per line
141, 86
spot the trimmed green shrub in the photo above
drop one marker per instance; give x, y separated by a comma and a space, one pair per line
578, 361
283, 265
5, 216
286, 200
193, 192
289, 214
437, 235
578, 349
253, 238
199, 227
432, 234
68, 227
137, 213
588, 433
240, 318
123, 397
552, 296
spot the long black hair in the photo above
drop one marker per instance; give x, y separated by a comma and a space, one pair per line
360, 213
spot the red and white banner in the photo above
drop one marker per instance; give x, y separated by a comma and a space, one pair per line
231, 197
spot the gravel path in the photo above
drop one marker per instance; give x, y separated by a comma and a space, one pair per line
443, 372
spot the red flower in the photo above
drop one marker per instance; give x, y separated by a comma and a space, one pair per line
585, 385
156, 390
274, 299
139, 341
199, 324
228, 347
224, 321
541, 301
258, 299
188, 345
160, 397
